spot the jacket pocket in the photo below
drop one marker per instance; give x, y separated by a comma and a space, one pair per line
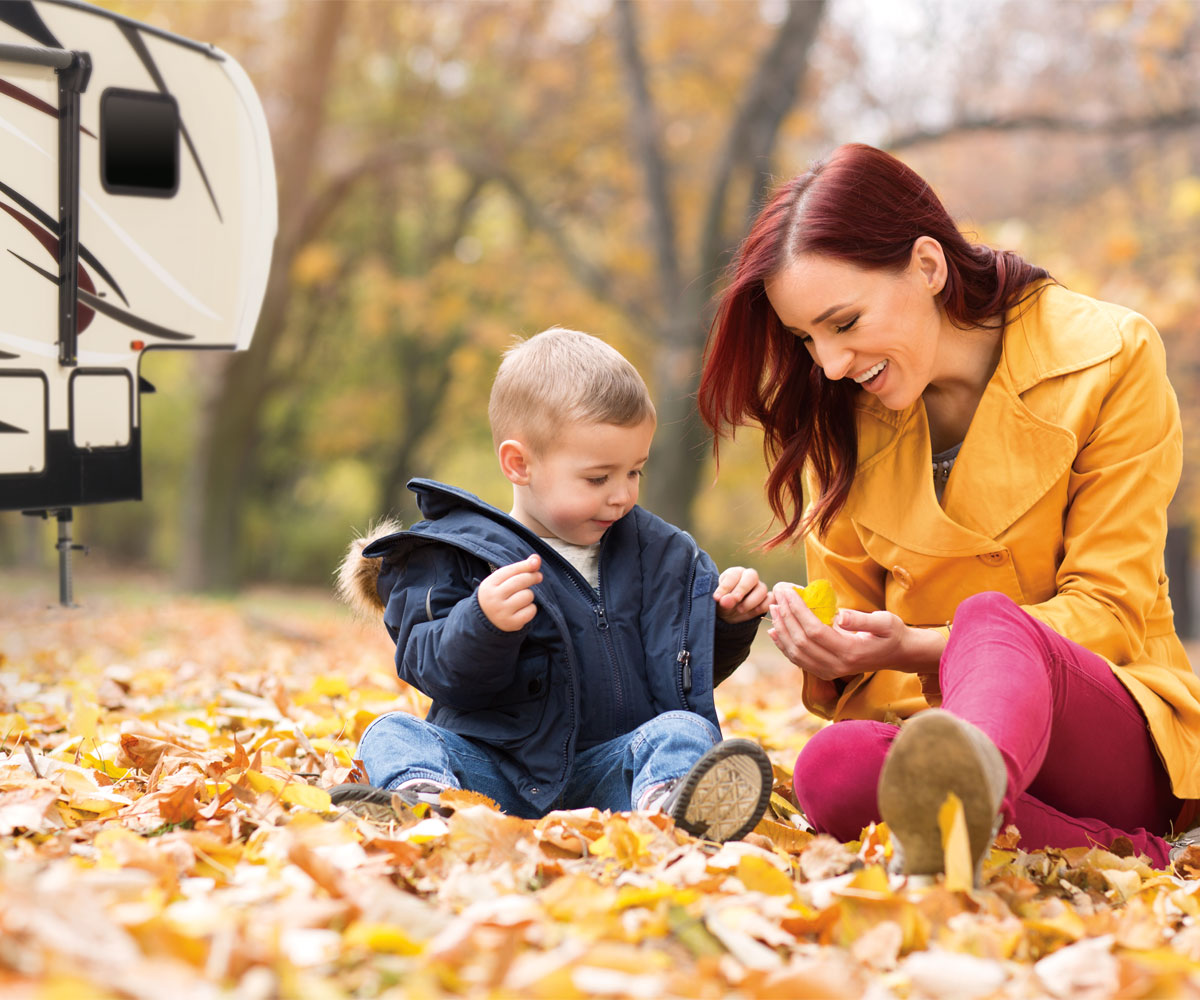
513, 714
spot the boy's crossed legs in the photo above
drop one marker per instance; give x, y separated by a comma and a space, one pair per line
675, 762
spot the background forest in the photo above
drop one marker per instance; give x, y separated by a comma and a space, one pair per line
454, 174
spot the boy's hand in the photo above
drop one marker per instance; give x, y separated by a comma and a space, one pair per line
740, 595
506, 596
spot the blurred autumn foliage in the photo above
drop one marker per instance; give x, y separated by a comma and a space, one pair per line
453, 175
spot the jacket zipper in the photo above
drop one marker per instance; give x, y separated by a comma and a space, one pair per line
602, 623
684, 656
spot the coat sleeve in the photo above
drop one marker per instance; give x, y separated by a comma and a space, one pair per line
1115, 522
839, 557
731, 646
445, 645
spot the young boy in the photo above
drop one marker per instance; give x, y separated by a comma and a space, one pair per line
571, 646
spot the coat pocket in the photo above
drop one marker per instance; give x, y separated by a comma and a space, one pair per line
513, 714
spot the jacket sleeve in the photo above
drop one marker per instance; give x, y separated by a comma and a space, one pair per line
839, 557
1115, 522
445, 645
731, 646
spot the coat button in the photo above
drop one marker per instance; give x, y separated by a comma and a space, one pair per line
994, 558
902, 577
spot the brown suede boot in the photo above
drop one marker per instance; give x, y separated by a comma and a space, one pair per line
937, 753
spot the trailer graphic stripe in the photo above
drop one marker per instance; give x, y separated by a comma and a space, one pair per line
143, 53
10, 429
15, 92
50, 242
22, 15
52, 225
111, 311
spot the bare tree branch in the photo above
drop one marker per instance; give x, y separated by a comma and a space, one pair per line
751, 137
592, 277
645, 127
1165, 121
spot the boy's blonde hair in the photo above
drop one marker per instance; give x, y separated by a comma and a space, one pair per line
563, 376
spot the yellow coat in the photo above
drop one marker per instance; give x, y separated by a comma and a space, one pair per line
1057, 498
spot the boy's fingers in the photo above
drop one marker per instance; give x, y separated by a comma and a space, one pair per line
515, 584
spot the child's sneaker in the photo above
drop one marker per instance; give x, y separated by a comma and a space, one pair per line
723, 796
375, 803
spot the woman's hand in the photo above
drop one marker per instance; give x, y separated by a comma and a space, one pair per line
856, 642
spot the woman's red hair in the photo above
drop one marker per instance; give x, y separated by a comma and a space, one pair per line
866, 208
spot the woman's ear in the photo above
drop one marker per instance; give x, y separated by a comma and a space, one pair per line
514, 461
929, 260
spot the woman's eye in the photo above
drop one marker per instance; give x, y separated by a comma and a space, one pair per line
846, 326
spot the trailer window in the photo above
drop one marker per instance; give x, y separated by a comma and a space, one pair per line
139, 143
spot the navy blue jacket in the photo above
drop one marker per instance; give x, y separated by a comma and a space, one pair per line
649, 642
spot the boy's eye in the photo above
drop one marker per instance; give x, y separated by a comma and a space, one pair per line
637, 473
846, 326
597, 480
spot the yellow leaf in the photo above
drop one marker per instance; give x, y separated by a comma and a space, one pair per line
299, 793
759, 875
85, 714
264, 782
821, 600
330, 686
381, 937
956, 845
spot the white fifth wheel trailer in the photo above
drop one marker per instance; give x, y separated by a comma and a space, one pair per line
137, 213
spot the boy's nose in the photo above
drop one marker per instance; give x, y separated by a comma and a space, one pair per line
621, 496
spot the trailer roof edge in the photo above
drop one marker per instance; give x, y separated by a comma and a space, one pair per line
207, 48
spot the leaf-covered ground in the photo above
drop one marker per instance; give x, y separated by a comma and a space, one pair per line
166, 834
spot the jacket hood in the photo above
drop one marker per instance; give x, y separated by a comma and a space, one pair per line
358, 575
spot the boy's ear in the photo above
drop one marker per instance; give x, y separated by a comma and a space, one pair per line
514, 461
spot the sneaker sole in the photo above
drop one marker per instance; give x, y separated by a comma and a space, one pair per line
726, 793
933, 756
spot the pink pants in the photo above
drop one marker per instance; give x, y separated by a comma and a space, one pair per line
1082, 767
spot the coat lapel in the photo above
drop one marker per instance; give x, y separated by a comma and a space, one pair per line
1011, 456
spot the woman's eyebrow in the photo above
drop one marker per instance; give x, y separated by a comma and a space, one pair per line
829, 312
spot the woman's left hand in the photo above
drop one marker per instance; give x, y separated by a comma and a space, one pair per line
856, 642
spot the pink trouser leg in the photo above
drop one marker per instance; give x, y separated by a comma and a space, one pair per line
1082, 768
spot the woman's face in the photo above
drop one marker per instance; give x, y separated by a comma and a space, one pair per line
880, 328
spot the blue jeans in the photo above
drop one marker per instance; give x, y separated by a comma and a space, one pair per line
399, 747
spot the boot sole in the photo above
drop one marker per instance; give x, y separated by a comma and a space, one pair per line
725, 793
933, 756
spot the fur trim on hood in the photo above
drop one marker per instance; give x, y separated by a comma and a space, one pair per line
357, 576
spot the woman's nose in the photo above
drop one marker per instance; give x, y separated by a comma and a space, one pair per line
835, 361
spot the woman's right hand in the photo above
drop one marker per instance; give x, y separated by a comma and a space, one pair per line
856, 642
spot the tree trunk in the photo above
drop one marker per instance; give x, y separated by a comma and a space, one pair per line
224, 457
681, 443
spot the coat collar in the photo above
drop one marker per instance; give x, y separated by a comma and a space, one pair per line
1011, 455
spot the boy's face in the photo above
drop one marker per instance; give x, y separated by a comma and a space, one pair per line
577, 487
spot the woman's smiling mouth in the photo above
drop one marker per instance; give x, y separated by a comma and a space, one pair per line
870, 373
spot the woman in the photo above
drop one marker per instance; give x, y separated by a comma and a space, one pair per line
989, 459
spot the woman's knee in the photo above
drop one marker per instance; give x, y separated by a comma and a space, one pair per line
987, 607
837, 773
